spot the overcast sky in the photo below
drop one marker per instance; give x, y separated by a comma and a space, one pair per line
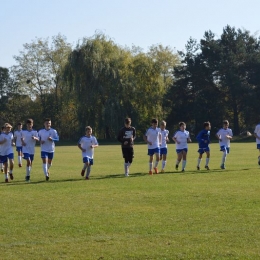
128, 22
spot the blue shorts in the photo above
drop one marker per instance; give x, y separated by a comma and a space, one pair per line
258, 146
224, 148
3, 158
151, 152
163, 150
10, 156
182, 150
88, 160
203, 150
19, 148
47, 155
26, 156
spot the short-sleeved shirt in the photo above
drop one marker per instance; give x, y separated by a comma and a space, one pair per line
164, 134
48, 146
222, 133
7, 147
30, 143
152, 135
257, 132
86, 143
17, 137
182, 137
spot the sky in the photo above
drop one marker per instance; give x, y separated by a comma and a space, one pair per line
141, 23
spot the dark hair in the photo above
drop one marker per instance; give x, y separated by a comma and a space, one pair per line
154, 121
29, 121
19, 123
47, 119
128, 120
205, 124
225, 122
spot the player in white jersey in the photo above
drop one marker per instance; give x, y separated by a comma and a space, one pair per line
257, 138
18, 142
1, 164
181, 139
86, 144
47, 136
3, 158
163, 147
224, 136
29, 138
153, 139
7, 149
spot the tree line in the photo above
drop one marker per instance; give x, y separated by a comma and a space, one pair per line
99, 83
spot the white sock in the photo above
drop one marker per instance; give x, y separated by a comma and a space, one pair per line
45, 170
156, 164
28, 170
183, 164
49, 166
199, 161
224, 158
177, 162
150, 166
163, 164
88, 171
84, 167
207, 161
126, 168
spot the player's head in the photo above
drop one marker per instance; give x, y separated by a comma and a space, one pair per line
182, 125
225, 124
8, 127
163, 124
154, 122
128, 121
29, 123
88, 130
19, 125
207, 125
47, 123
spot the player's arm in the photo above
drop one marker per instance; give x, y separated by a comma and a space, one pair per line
218, 137
80, 147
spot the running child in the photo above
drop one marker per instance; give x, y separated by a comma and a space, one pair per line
181, 139
203, 139
224, 136
86, 144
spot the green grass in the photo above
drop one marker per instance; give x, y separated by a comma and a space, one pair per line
193, 215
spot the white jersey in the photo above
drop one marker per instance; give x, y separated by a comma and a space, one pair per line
164, 134
182, 137
257, 132
86, 143
30, 143
18, 137
7, 147
2, 137
222, 133
48, 146
153, 137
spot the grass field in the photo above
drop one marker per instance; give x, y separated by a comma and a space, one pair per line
193, 215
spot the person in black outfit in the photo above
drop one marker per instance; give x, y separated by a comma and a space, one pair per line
126, 137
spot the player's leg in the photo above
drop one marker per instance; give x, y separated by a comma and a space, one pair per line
88, 163
200, 151
157, 159
258, 147
11, 165
184, 156
19, 154
164, 158
179, 158
150, 164
207, 159
224, 156
44, 157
